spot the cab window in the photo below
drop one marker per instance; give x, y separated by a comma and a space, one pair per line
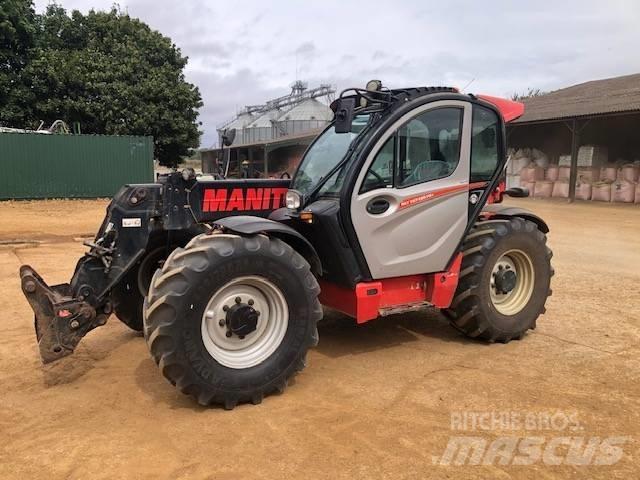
425, 148
429, 146
484, 144
380, 174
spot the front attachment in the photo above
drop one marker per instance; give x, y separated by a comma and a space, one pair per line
60, 320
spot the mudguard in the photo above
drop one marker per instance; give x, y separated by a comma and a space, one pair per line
249, 225
496, 210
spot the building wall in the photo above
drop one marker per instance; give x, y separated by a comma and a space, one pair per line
76, 166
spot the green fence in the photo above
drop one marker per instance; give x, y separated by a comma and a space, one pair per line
80, 166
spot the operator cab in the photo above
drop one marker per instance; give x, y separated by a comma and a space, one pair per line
392, 185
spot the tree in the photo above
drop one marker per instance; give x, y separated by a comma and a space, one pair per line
17, 39
531, 92
113, 75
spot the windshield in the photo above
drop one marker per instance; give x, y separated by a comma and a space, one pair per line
325, 153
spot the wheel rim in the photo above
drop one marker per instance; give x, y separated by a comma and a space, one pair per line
519, 291
268, 304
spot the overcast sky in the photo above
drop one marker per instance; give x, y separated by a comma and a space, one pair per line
245, 52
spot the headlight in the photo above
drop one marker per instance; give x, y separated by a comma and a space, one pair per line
292, 200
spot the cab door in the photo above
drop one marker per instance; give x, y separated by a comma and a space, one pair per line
410, 203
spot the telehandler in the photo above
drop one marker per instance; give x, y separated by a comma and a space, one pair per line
394, 207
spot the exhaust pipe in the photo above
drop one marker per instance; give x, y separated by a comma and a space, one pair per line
60, 320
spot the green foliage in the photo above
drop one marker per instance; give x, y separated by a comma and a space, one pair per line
531, 92
114, 75
17, 39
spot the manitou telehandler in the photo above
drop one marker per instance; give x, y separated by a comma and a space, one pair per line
394, 207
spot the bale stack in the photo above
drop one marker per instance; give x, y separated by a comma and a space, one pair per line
597, 178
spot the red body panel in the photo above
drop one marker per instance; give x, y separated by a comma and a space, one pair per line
509, 109
497, 194
368, 299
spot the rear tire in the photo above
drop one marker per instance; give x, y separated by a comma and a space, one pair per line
183, 311
480, 308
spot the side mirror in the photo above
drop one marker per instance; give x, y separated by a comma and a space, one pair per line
517, 192
228, 136
343, 108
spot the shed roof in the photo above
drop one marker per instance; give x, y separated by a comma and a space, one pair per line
597, 97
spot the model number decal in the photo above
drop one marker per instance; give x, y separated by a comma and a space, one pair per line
131, 222
410, 202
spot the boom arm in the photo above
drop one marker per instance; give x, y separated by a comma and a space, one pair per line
174, 207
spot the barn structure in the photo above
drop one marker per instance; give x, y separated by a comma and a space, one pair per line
271, 138
584, 138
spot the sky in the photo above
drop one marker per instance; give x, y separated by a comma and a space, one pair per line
246, 52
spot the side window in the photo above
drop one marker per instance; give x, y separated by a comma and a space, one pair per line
484, 144
380, 173
429, 146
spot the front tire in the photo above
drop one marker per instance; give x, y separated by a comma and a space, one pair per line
504, 280
229, 319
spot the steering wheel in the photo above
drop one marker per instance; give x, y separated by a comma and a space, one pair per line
378, 177
287, 175
433, 169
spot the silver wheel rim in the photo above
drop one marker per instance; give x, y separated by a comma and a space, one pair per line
517, 299
257, 346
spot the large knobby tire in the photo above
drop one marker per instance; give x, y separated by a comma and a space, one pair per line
129, 294
482, 310
183, 311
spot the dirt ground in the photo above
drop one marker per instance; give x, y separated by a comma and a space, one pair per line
376, 401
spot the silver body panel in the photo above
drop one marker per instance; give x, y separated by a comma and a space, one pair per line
423, 237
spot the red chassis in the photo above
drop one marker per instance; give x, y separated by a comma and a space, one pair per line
369, 300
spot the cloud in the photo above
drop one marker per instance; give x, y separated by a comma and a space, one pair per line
306, 49
244, 52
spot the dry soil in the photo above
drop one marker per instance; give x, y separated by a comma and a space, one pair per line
376, 401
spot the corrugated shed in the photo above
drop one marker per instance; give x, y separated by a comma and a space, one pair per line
611, 95
60, 166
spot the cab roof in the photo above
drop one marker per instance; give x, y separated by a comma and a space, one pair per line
509, 109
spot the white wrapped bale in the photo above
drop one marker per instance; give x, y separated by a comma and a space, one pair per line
540, 158
564, 161
592, 156
512, 180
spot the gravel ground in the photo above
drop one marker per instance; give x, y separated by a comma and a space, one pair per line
380, 400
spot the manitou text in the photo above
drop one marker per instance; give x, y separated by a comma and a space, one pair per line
229, 200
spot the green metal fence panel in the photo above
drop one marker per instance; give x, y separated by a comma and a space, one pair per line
71, 166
